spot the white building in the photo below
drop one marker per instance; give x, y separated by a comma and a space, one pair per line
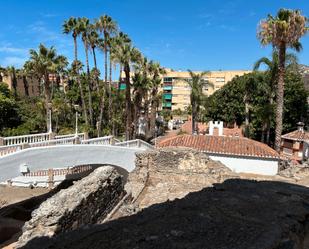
241, 155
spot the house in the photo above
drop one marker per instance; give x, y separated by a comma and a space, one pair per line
292, 144
240, 154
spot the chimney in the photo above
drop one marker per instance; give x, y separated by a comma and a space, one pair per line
300, 126
216, 124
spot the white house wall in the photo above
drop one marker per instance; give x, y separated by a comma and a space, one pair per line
248, 165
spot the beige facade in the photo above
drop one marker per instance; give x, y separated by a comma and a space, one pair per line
31, 83
176, 90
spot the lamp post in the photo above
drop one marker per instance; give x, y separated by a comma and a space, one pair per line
76, 120
49, 128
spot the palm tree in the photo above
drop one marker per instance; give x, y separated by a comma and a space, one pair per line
44, 62
93, 40
155, 70
141, 84
106, 25
127, 55
118, 42
72, 26
197, 84
84, 27
282, 31
272, 68
23, 73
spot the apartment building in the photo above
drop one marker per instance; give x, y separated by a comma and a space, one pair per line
176, 90
30, 86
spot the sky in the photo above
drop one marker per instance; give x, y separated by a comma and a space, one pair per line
180, 34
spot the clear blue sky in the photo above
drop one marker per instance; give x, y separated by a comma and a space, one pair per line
180, 34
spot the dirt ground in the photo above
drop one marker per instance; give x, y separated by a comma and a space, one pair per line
10, 195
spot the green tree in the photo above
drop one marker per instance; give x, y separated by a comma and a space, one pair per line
72, 26
44, 62
197, 83
282, 31
272, 75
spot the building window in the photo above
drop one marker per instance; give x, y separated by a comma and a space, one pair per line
168, 79
220, 79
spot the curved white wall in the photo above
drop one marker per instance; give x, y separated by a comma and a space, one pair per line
67, 156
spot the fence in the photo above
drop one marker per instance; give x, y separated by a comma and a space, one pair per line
25, 139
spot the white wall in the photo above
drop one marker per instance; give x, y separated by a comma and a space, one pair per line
249, 165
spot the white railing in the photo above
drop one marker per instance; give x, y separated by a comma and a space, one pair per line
80, 135
26, 139
135, 143
62, 141
100, 140
5, 150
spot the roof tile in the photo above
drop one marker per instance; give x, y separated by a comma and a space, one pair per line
239, 146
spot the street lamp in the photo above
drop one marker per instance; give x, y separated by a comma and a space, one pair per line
49, 128
76, 120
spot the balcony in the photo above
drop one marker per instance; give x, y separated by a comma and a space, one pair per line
167, 96
169, 88
167, 104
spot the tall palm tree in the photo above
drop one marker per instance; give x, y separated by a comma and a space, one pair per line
156, 71
84, 28
23, 74
197, 84
282, 31
127, 55
272, 65
93, 40
107, 26
71, 26
44, 62
118, 42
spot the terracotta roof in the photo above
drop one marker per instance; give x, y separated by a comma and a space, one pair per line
297, 135
239, 146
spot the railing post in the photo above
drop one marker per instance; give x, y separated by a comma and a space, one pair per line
112, 141
77, 140
138, 143
51, 136
50, 178
86, 135
2, 141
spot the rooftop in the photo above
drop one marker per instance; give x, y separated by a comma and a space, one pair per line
297, 135
238, 146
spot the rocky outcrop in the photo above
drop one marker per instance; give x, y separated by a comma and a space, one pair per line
88, 201
170, 173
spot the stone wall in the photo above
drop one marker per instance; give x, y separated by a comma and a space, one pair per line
170, 173
88, 201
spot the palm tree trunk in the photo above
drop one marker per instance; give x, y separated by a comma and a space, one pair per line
153, 111
82, 96
110, 102
128, 103
75, 47
47, 99
96, 68
26, 85
280, 95
88, 86
99, 125
193, 118
269, 123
